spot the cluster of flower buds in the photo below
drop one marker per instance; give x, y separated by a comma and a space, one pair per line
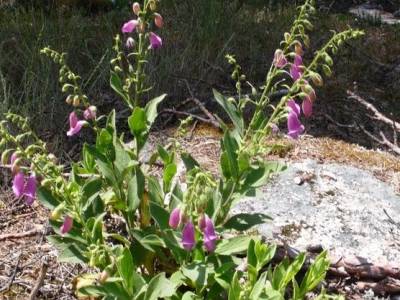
295, 128
140, 24
205, 225
23, 186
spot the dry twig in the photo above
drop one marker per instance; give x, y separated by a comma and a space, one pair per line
39, 281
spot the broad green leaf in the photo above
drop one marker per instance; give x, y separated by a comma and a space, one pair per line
46, 198
138, 122
196, 273
159, 287
151, 108
189, 161
235, 288
258, 287
117, 86
160, 215
231, 110
230, 148
71, 254
125, 268
135, 190
169, 173
234, 245
243, 222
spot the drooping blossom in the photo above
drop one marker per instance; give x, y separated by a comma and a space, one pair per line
30, 190
18, 184
129, 26
13, 164
307, 106
75, 125
298, 48
90, 113
158, 20
130, 43
25, 189
279, 59
209, 236
188, 239
155, 41
66, 225
295, 69
175, 218
136, 8
295, 128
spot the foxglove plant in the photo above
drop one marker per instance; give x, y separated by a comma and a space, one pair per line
166, 241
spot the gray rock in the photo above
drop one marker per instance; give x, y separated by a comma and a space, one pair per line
346, 210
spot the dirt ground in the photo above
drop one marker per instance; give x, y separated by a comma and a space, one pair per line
25, 254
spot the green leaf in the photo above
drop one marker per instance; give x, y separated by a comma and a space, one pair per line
235, 245
151, 108
125, 268
169, 173
135, 190
117, 86
189, 161
159, 287
155, 191
46, 198
235, 288
164, 154
230, 148
160, 215
196, 273
242, 222
258, 287
231, 110
137, 122
71, 254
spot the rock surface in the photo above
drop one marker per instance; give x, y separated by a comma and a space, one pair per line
346, 210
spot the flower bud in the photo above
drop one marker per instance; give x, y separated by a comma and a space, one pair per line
67, 225
103, 276
57, 212
130, 43
317, 79
69, 100
76, 102
90, 113
153, 5
298, 49
158, 20
136, 8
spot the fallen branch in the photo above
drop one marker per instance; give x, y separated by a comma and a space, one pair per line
19, 235
183, 113
377, 114
39, 281
12, 277
386, 286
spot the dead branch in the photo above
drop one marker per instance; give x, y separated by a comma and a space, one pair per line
183, 113
19, 235
377, 114
385, 286
39, 281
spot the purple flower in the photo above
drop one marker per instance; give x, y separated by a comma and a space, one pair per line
175, 218
75, 125
155, 41
66, 225
295, 128
307, 106
279, 59
129, 26
209, 237
90, 113
158, 20
30, 189
18, 184
13, 158
295, 69
188, 240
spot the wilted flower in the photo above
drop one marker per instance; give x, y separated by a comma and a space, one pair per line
188, 240
295, 128
279, 59
75, 125
130, 43
158, 20
209, 237
175, 218
298, 49
90, 113
155, 41
18, 184
14, 164
129, 26
136, 8
66, 225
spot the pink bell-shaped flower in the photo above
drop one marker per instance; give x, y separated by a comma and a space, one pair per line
188, 239
155, 41
18, 184
66, 225
30, 190
129, 26
175, 218
75, 125
280, 60
209, 236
